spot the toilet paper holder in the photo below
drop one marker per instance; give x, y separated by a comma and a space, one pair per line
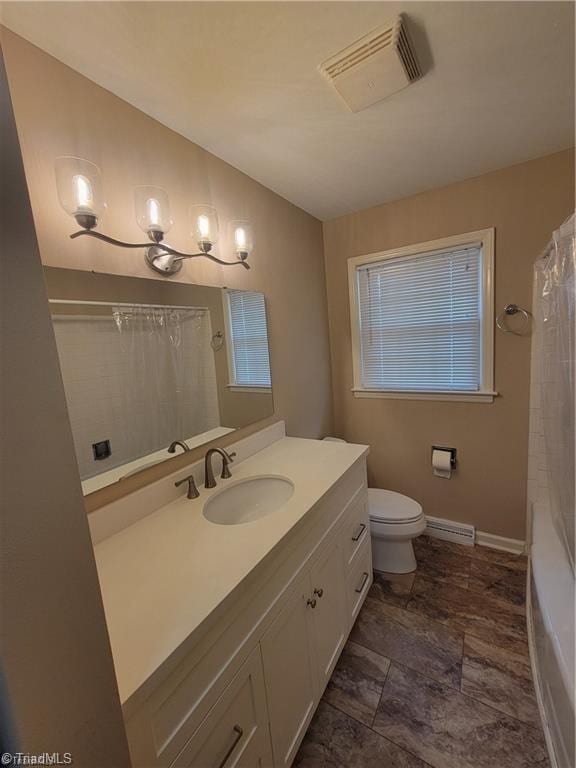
452, 452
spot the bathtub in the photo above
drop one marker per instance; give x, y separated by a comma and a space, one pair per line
551, 591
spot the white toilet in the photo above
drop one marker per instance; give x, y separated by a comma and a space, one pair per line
394, 521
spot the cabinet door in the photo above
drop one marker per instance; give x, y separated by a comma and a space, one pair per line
234, 734
289, 674
328, 591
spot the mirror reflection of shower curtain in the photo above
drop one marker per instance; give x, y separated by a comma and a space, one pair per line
554, 316
172, 392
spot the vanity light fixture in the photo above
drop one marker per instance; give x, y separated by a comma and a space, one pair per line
80, 193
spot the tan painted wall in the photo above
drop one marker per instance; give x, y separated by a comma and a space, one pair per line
57, 678
524, 203
60, 112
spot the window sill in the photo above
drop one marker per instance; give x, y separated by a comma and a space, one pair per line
462, 397
254, 390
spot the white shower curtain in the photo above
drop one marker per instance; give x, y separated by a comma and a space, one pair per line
171, 374
554, 339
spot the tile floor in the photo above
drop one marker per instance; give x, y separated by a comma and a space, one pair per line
436, 672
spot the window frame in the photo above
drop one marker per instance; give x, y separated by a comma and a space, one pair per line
483, 238
233, 385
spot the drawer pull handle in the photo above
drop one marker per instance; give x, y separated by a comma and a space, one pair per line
311, 603
319, 592
360, 532
239, 733
364, 580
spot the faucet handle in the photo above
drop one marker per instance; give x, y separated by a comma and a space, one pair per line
193, 492
226, 459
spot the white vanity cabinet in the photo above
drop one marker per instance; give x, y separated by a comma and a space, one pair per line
243, 690
301, 648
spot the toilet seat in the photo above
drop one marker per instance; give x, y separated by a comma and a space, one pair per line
392, 508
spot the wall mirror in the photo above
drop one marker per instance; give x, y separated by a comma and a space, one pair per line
151, 368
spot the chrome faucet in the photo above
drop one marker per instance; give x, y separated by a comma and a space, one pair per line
193, 492
227, 458
181, 443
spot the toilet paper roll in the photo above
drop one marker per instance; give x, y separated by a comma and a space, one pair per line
441, 466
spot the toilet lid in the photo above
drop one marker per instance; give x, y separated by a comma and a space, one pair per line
392, 507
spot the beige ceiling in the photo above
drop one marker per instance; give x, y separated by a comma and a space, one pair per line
241, 80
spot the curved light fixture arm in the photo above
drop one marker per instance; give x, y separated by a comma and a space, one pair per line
106, 239
159, 256
178, 256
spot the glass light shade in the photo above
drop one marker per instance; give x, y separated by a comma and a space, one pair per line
80, 191
204, 220
152, 211
242, 238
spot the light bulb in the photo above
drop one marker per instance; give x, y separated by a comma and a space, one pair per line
240, 238
152, 211
204, 226
241, 235
204, 219
83, 193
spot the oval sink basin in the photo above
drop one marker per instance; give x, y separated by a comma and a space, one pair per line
248, 500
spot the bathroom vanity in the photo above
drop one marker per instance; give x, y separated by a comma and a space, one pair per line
225, 634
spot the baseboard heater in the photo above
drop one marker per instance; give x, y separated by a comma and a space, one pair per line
438, 528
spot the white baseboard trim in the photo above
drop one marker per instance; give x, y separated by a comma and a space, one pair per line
449, 530
517, 546
461, 533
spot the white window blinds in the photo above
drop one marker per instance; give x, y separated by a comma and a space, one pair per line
420, 322
248, 339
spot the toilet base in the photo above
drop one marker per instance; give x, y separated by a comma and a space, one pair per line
393, 556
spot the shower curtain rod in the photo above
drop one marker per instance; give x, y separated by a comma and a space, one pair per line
124, 304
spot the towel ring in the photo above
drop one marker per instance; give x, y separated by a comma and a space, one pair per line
217, 341
512, 309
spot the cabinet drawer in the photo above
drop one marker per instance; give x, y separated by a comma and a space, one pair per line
359, 580
235, 731
356, 529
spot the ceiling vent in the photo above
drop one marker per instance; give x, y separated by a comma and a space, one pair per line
375, 66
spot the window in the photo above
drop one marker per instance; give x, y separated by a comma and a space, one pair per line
247, 337
422, 320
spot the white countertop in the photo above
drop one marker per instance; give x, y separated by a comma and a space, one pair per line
164, 575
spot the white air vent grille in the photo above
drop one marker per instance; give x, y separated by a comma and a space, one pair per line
361, 53
379, 64
407, 55
450, 531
